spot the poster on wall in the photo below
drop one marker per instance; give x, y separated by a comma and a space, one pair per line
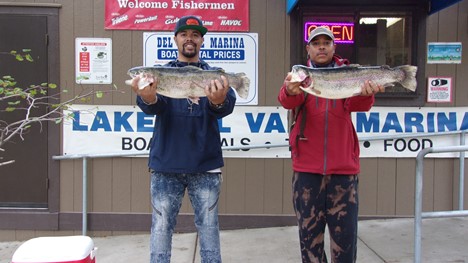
444, 52
93, 60
217, 15
439, 89
233, 52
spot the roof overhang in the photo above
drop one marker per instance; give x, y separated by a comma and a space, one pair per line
434, 5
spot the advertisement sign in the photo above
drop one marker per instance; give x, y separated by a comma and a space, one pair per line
389, 121
93, 60
217, 15
444, 53
126, 129
233, 52
439, 89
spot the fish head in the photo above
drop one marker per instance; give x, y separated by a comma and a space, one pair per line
301, 74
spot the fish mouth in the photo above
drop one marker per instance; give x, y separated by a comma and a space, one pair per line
307, 82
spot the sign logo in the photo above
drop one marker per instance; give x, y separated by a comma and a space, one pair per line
192, 22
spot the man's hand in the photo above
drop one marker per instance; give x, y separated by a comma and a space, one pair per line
369, 88
292, 88
148, 93
217, 91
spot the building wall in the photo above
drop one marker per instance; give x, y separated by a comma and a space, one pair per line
251, 186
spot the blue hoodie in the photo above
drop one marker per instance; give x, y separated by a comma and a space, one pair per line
186, 140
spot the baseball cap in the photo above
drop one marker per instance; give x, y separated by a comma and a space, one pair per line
190, 22
321, 30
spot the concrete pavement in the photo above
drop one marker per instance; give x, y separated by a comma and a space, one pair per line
444, 240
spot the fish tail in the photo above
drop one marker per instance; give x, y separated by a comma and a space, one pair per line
409, 81
242, 85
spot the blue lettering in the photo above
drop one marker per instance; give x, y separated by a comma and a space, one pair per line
101, 122
76, 122
430, 122
121, 120
464, 124
227, 42
164, 42
443, 121
255, 125
274, 123
144, 122
414, 119
392, 123
365, 125
223, 129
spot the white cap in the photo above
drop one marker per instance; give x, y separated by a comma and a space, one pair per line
321, 30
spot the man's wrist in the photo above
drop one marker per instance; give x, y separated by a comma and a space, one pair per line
150, 103
219, 105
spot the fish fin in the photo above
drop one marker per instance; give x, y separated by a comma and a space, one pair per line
353, 65
409, 81
194, 100
385, 67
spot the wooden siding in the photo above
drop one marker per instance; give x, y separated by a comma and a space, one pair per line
251, 186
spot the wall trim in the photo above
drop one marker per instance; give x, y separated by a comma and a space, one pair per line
53, 5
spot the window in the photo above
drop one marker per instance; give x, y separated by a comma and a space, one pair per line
377, 38
384, 40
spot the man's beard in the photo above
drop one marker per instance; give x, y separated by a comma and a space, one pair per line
188, 54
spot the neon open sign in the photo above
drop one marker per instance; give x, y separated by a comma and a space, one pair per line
343, 32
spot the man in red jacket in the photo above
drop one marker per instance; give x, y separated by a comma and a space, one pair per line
325, 156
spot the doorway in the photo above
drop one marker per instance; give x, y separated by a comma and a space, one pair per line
25, 183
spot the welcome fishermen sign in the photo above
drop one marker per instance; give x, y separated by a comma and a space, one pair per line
217, 15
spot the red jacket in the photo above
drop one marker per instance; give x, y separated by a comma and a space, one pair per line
331, 144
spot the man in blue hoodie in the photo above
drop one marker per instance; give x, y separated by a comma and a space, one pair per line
186, 150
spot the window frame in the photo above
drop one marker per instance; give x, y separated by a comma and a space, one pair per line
418, 36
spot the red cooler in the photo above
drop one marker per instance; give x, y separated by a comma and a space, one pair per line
67, 249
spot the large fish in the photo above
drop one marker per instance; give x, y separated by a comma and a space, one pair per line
189, 81
345, 82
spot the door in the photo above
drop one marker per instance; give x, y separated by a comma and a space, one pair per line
24, 183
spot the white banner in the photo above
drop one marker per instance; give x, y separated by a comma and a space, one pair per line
388, 121
233, 52
125, 129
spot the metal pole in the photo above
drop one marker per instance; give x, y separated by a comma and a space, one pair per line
461, 187
85, 199
418, 203
418, 194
